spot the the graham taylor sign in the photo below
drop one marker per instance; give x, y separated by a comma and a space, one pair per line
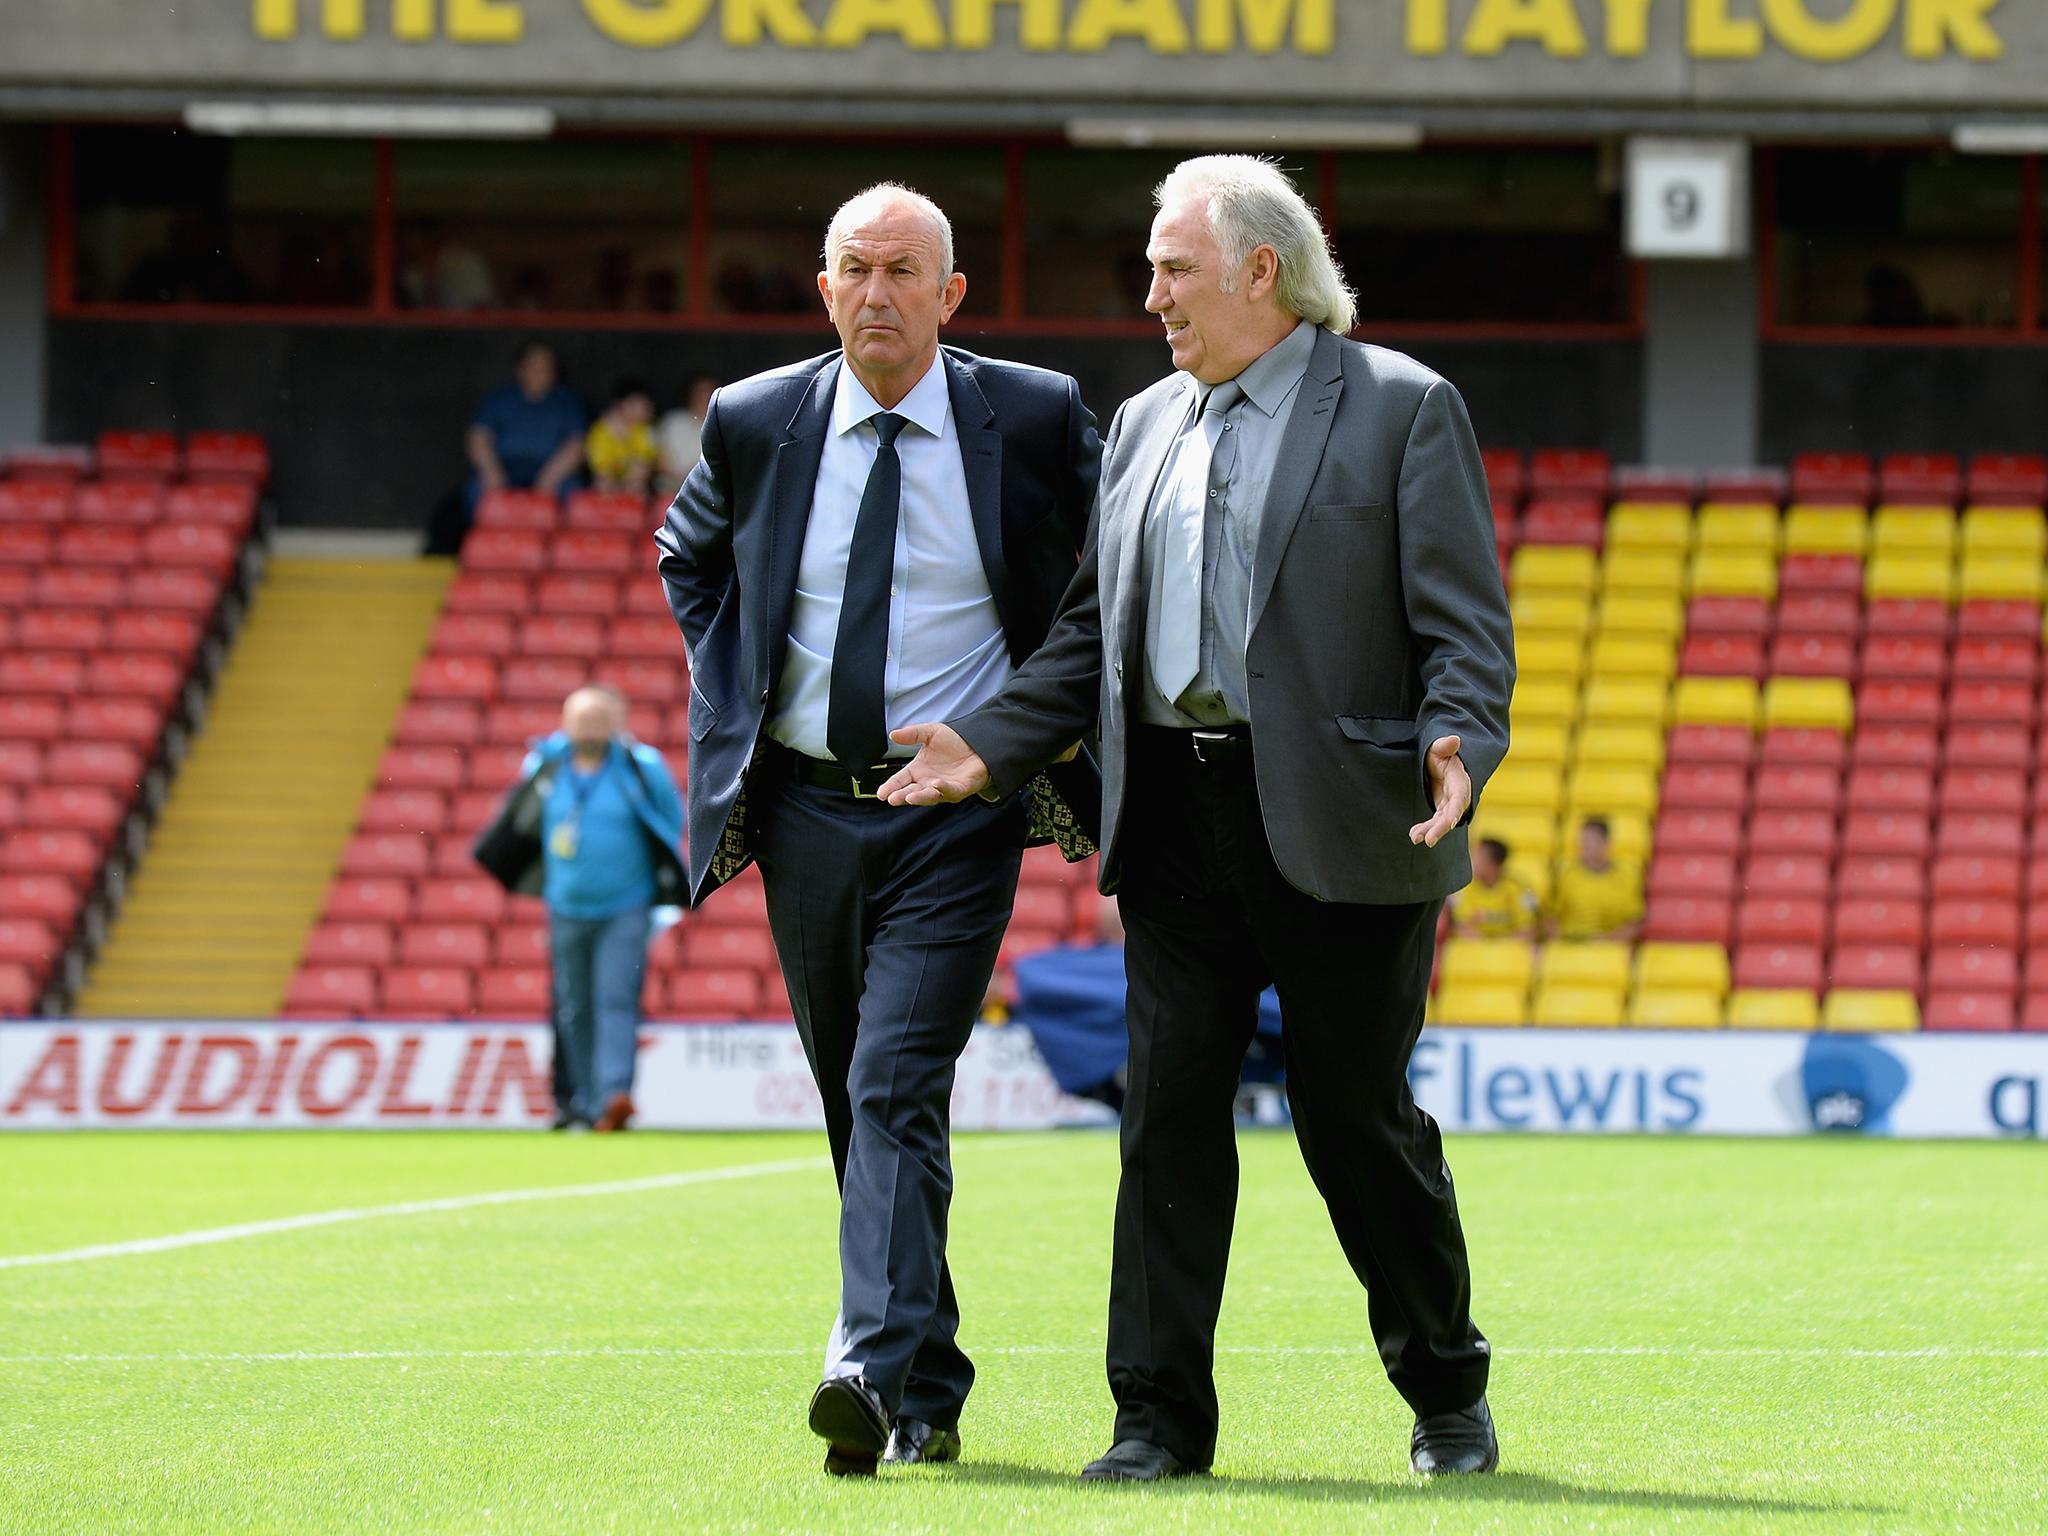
1961, 53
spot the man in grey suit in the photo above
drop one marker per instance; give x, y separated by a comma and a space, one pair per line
1291, 587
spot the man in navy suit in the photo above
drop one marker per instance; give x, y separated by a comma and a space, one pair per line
873, 537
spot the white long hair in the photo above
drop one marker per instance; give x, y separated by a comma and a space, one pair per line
1252, 202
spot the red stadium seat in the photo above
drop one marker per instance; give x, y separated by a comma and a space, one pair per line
744, 904
1875, 967
1657, 484
41, 674
73, 808
439, 768
1968, 1011
1505, 477
1709, 745
716, 995
1705, 787
1895, 746
1798, 787
473, 634
588, 595
471, 898
32, 851
21, 762
1504, 531
513, 551
2008, 480
1979, 832
455, 677
62, 586
1800, 574
648, 681
120, 503
518, 995
1991, 704
471, 811
1564, 520
135, 675
331, 992
440, 722
1898, 703
1785, 876
1906, 836
645, 639
1563, 471
522, 946
576, 636
1987, 658
712, 947
61, 463
1719, 655
1920, 479
1987, 746
1779, 967
31, 719
96, 544
1727, 616
646, 598
1986, 877
46, 503
1834, 614
368, 944
172, 635
222, 504
453, 857
49, 899
1768, 920
1908, 616
188, 544
2000, 618
467, 945
1906, 658
18, 991
517, 509
1975, 923
488, 592
1804, 746
493, 767
403, 810
1901, 790
1049, 906
1866, 920
602, 552
380, 899
2001, 790
28, 942
546, 680
1807, 833
1979, 968
151, 455
187, 591
133, 723
396, 855
1832, 478
2034, 1012
426, 992
1688, 919
612, 512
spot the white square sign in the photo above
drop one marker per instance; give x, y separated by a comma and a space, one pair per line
1688, 198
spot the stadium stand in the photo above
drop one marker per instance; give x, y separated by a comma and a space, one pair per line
124, 573
1808, 709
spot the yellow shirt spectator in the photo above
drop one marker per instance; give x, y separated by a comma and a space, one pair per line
1591, 904
620, 456
1505, 909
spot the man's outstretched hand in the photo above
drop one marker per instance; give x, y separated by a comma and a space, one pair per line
1450, 790
945, 768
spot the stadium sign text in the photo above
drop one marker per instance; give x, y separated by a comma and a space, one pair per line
1714, 29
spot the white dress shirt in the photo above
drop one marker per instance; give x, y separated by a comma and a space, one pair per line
947, 652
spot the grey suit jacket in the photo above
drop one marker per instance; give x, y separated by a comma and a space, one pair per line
1378, 625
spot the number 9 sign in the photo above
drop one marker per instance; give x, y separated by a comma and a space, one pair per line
1688, 198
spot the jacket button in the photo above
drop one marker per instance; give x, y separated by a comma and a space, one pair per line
764, 695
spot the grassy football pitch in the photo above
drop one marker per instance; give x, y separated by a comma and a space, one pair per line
1690, 1335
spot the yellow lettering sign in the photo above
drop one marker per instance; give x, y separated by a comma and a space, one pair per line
1265, 25
748, 21
277, 21
647, 23
1628, 28
852, 22
485, 21
1552, 23
1038, 23
1933, 27
1158, 23
1711, 33
1854, 33
1429, 27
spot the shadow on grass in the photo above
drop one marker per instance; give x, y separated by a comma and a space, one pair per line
1505, 1488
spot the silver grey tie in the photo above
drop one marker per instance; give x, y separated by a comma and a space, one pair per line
1203, 470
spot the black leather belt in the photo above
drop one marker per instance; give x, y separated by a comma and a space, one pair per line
1213, 746
861, 783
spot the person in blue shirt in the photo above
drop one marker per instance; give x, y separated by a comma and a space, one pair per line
528, 432
609, 807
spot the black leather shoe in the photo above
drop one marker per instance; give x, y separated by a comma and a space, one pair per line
847, 1414
913, 1441
1454, 1442
1137, 1461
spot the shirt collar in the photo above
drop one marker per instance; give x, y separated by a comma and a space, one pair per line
1275, 372
927, 405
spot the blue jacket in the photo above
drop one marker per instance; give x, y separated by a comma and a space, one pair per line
510, 847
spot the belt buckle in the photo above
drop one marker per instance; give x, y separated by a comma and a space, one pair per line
858, 792
1210, 739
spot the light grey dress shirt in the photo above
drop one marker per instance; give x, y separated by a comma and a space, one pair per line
947, 652
1235, 499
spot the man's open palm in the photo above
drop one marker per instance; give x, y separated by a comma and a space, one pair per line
945, 768
1450, 790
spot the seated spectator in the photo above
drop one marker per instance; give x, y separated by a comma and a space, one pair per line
1595, 897
527, 434
619, 449
679, 435
1495, 905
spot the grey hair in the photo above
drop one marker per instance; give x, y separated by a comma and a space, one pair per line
1252, 202
836, 231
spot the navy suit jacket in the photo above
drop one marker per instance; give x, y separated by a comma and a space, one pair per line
734, 535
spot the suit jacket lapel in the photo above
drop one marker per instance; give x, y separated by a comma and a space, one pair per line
1301, 455
796, 478
981, 460
1148, 462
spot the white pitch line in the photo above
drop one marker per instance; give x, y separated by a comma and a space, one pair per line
713, 1352
206, 1235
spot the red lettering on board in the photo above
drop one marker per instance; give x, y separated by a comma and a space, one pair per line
515, 1069
394, 1105
274, 1080
111, 1101
53, 1080
193, 1099
362, 1050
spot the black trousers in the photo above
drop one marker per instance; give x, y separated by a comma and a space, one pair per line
887, 922
1211, 922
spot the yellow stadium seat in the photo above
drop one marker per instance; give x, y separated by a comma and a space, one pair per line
1817, 702
1746, 526
1566, 568
1853, 1010
1773, 1008
2013, 575
1649, 525
1579, 1007
1530, 835
1481, 1005
1487, 963
1541, 742
1552, 699
1561, 613
1811, 530
1526, 787
1586, 963
1619, 654
1628, 837
1603, 788
1550, 655
1910, 573
2018, 530
1621, 746
1643, 570
1676, 1008
1714, 701
1661, 614
1734, 573
1626, 701
1682, 968
1929, 530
